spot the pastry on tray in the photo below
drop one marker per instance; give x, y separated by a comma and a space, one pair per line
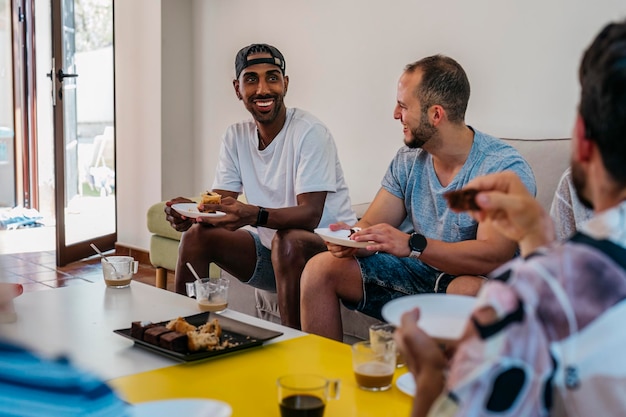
153, 334
138, 328
180, 336
180, 325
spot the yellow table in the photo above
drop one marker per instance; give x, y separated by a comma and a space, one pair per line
247, 380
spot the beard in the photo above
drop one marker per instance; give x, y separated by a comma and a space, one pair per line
421, 134
579, 179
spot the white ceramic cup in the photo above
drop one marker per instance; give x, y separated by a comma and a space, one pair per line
119, 270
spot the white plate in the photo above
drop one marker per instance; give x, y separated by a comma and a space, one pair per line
339, 237
191, 210
442, 316
406, 384
182, 407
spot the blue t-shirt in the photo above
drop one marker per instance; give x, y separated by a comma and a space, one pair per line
411, 177
31, 386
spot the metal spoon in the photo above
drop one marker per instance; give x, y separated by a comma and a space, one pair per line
94, 247
193, 271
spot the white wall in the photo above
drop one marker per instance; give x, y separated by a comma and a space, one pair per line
177, 89
138, 116
344, 59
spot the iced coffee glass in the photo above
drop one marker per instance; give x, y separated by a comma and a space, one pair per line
373, 368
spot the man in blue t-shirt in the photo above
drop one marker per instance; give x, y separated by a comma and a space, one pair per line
544, 338
31, 385
447, 251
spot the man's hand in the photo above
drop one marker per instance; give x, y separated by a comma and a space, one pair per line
420, 351
8, 291
504, 199
178, 222
384, 238
340, 251
238, 214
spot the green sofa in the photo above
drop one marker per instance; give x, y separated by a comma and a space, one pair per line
548, 159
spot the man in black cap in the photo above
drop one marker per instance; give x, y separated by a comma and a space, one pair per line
285, 161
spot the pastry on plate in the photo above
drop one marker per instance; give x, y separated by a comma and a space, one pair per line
208, 198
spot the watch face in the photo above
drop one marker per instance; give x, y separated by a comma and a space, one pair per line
417, 242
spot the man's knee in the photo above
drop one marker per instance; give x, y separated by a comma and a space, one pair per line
293, 245
192, 237
316, 271
465, 285
284, 242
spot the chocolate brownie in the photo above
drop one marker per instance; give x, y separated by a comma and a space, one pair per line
153, 334
174, 341
462, 200
138, 328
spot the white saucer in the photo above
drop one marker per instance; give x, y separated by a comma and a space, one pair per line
339, 237
191, 210
182, 407
442, 316
406, 384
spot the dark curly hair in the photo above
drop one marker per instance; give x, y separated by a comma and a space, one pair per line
603, 97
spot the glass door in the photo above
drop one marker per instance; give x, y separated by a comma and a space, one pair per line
84, 126
7, 128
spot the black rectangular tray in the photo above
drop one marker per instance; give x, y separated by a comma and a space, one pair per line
236, 331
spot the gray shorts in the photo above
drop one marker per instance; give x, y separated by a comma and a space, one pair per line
263, 277
386, 277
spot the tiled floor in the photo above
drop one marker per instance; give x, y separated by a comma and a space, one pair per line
37, 271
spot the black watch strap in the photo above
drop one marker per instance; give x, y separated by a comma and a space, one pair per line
261, 218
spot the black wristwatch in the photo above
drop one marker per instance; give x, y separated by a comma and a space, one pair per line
417, 244
261, 218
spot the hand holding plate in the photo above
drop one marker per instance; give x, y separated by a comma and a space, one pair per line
233, 214
178, 221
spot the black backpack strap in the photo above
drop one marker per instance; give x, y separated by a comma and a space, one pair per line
610, 249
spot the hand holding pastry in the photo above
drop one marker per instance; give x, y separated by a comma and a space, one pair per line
504, 200
208, 199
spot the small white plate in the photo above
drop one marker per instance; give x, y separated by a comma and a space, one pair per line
191, 210
339, 237
442, 316
406, 384
182, 407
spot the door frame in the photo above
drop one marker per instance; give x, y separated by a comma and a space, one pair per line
68, 253
25, 103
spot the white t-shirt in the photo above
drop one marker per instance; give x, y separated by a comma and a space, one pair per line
566, 210
302, 158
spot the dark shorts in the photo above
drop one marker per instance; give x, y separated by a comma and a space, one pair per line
386, 277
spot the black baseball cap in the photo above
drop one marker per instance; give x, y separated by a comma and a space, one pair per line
242, 62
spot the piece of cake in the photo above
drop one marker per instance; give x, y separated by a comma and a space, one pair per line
138, 328
180, 325
174, 341
213, 327
207, 198
202, 341
153, 334
462, 200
